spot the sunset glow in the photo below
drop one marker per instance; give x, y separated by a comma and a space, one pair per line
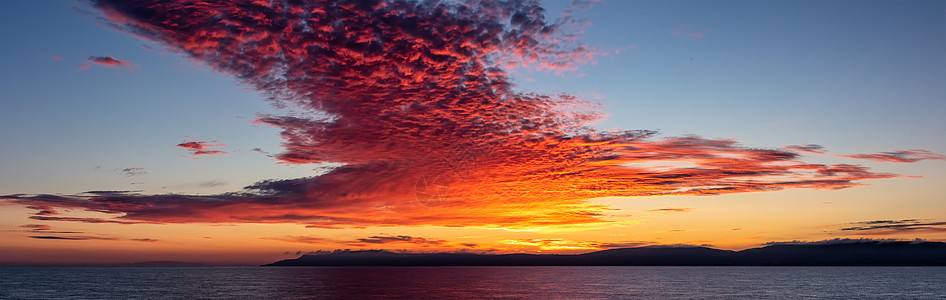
260, 130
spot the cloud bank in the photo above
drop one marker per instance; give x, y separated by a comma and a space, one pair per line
414, 100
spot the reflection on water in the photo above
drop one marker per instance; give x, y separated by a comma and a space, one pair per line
473, 282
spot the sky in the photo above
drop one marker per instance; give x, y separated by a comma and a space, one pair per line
247, 133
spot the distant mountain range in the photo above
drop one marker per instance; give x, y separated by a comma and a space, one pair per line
837, 254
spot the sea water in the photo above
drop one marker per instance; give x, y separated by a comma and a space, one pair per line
473, 282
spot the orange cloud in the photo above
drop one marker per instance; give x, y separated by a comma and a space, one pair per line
669, 210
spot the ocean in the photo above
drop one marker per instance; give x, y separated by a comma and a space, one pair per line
473, 282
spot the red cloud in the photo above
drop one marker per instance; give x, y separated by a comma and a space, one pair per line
202, 148
107, 61
413, 98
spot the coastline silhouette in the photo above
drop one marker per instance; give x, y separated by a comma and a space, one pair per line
872, 253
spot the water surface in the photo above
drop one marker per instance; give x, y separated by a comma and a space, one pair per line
474, 282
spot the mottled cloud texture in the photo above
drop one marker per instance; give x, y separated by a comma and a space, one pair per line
414, 99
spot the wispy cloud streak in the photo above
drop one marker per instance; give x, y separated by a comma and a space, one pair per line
563, 244
898, 156
891, 227
809, 148
87, 238
377, 240
670, 210
202, 148
902, 156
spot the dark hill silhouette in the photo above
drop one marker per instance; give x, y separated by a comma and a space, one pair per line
848, 254
871, 253
659, 256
